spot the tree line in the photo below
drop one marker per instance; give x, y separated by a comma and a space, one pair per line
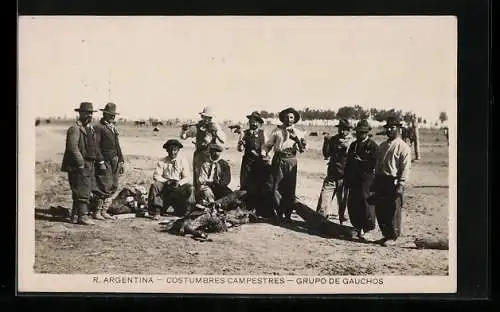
356, 112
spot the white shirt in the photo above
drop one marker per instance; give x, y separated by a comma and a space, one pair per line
172, 169
279, 139
394, 159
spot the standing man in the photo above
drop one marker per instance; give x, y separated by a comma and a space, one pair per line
359, 175
335, 150
171, 183
78, 161
286, 141
252, 175
109, 162
215, 176
392, 171
208, 131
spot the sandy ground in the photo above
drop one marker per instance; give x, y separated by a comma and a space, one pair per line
138, 246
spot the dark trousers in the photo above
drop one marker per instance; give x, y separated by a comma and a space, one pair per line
82, 182
107, 184
388, 206
162, 196
254, 176
212, 192
284, 173
361, 213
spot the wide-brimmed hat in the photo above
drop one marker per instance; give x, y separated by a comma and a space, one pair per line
363, 126
207, 111
85, 107
173, 142
256, 116
215, 147
110, 108
286, 111
344, 124
392, 121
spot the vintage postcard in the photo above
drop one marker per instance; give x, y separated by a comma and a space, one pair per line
237, 154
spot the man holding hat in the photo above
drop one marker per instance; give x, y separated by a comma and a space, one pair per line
286, 140
359, 175
392, 171
171, 183
207, 132
215, 176
110, 162
78, 161
251, 143
335, 150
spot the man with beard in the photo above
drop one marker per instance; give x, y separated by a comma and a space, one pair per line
287, 141
110, 162
215, 176
207, 132
78, 161
253, 174
171, 183
335, 150
392, 171
359, 174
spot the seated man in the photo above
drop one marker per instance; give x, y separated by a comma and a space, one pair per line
215, 176
172, 183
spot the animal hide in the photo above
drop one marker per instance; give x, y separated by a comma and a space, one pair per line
131, 199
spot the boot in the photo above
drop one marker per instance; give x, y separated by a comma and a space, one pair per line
74, 214
97, 214
83, 218
105, 206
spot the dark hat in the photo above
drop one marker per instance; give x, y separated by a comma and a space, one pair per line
173, 142
363, 126
85, 107
392, 121
286, 111
215, 146
344, 123
257, 117
110, 108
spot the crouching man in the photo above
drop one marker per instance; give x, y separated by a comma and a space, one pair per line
215, 176
171, 183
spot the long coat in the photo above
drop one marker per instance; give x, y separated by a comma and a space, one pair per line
109, 143
80, 147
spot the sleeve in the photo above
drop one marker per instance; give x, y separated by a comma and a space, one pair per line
119, 149
219, 133
72, 138
263, 143
225, 173
98, 142
203, 176
301, 144
271, 141
326, 147
186, 173
158, 173
372, 154
404, 165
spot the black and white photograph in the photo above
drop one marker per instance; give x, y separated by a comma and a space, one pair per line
237, 154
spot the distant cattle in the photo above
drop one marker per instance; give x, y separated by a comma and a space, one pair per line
37, 122
156, 129
139, 123
47, 121
313, 134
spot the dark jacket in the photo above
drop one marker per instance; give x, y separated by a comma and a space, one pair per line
108, 143
80, 147
253, 142
358, 172
335, 149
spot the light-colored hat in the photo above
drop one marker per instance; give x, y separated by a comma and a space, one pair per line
207, 111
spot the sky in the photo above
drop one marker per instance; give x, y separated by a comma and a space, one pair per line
170, 67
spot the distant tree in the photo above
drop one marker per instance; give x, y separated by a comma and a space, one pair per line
373, 112
425, 121
443, 117
347, 112
419, 120
408, 117
360, 112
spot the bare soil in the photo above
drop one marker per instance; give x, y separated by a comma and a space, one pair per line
138, 246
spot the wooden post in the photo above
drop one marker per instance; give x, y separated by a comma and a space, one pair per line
417, 138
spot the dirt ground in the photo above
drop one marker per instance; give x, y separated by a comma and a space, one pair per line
138, 246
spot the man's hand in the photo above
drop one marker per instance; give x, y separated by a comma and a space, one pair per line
173, 183
101, 168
